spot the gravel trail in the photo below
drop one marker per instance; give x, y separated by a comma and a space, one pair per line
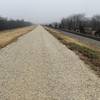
38, 67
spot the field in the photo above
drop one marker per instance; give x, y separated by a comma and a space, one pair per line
90, 55
9, 36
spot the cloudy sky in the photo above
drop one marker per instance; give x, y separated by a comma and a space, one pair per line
46, 11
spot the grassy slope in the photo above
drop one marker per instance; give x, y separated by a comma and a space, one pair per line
9, 36
90, 55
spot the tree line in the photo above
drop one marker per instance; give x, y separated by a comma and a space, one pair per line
80, 23
10, 23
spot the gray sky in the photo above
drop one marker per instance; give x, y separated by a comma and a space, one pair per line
46, 11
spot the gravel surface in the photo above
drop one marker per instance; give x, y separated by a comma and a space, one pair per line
39, 67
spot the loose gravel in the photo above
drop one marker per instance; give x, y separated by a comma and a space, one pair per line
38, 67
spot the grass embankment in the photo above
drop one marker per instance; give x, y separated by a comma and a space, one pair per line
9, 36
88, 54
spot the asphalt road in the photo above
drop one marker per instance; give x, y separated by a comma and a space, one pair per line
39, 67
90, 42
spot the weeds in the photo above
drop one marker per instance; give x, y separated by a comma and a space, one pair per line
87, 54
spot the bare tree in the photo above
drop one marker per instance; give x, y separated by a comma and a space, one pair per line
80, 23
95, 24
74, 22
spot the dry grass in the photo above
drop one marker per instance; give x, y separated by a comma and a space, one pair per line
9, 36
90, 55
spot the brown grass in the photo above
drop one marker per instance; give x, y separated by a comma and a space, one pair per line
88, 54
9, 36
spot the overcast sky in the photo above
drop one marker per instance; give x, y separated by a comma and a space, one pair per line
46, 11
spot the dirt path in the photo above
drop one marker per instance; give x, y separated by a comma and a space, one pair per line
38, 67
